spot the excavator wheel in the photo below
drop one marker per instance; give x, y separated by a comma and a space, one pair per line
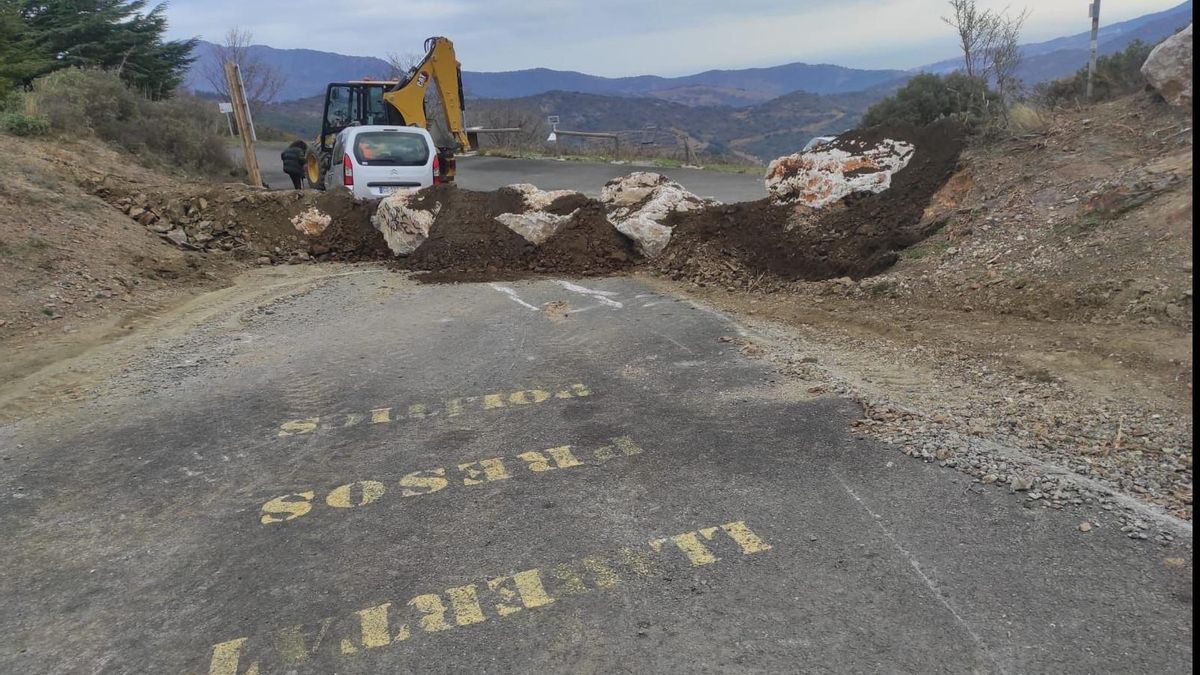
312, 171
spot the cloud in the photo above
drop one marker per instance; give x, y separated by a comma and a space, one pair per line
625, 37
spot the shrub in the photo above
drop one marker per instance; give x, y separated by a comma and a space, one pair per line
1023, 119
1117, 74
182, 132
20, 124
927, 98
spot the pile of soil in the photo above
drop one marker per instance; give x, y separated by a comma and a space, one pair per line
857, 237
733, 244
253, 224
467, 243
350, 235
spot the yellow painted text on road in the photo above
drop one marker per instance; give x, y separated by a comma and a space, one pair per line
428, 481
492, 598
453, 407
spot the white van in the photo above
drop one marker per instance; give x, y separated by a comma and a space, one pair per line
377, 160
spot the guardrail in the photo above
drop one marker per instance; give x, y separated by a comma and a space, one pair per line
558, 133
473, 134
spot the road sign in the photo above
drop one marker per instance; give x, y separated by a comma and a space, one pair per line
225, 108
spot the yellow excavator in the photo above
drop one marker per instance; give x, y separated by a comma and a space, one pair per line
394, 102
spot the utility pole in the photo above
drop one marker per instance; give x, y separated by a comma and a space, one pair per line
245, 125
1094, 11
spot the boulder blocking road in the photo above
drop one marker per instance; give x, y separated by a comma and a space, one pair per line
371, 475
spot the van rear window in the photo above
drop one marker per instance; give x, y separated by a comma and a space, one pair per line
391, 148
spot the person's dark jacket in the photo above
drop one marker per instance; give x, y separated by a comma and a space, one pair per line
293, 160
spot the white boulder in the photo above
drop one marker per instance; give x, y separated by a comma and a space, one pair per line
535, 226
312, 221
404, 227
639, 203
829, 173
1169, 68
538, 199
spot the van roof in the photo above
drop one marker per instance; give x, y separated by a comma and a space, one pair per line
395, 128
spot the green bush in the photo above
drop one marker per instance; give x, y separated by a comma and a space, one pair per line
20, 124
1117, 74
182, 132
927, 98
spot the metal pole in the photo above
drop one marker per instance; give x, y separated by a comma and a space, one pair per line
1094, 9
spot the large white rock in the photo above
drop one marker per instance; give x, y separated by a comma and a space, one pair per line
404, 228
828, 174
312, 221
538, 199
1169, 68
639, 203
633, 188
535, 226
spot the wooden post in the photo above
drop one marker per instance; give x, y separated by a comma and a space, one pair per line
241, 115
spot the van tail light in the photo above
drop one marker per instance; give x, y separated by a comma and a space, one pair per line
347, 171
437, 170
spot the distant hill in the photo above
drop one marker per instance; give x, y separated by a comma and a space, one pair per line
308, 71
758, 113
762, 132
713, 87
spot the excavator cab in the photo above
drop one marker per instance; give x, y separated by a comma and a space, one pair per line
394, 102
349, 104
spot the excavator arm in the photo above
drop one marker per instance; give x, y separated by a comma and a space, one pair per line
440, 66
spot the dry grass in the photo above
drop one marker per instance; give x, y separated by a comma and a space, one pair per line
1023, 119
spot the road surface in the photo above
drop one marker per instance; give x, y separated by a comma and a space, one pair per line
489, 173
340, 470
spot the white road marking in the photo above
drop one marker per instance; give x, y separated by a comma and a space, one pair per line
582, 289
598, 296
512, 295
916, 566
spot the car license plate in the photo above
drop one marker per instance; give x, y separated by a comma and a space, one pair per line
387, 190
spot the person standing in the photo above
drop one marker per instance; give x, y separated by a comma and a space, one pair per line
293, 162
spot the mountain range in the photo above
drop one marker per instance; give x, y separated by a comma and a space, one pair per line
754, 114
306, 71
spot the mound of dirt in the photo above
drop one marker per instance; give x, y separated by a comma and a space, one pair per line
467, 243
350, 235
857, 237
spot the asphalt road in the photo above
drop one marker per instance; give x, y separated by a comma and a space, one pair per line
489, 173
377, 476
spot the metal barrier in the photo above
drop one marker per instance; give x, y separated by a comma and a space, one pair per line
473, 134
557, 133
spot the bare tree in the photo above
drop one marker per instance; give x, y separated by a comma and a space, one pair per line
503, 114
1004, 52
976, 30
262, 81
400, 65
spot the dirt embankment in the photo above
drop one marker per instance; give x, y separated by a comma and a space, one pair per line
857, 237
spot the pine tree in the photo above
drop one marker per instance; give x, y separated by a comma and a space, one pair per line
112, 34
21, 58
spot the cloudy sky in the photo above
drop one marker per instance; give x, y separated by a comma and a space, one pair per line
629, 37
